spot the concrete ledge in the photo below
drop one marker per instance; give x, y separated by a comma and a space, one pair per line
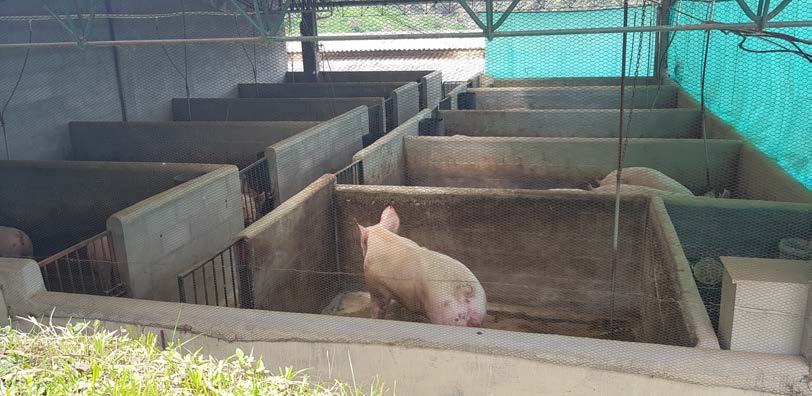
600, 123
303, 336
602, 97
432, 90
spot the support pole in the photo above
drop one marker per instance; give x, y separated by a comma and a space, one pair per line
661, 43
310, 49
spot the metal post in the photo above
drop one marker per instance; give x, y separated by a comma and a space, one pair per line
489, 19
661, 43
310, 50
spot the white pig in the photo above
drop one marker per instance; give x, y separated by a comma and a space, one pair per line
646, 177
421, 280
15, 243
630, 188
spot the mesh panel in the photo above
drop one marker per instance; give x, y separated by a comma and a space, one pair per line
447, 179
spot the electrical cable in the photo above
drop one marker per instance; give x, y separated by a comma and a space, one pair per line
13, 91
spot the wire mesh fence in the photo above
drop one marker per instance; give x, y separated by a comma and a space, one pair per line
507, 211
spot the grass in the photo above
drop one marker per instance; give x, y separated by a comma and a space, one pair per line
85, 358
382, 19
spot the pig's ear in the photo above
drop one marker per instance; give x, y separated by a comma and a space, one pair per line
725, 194
363, 235
390, 219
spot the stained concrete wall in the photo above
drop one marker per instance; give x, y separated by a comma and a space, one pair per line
60, 203
320, 89
550, 250
454, 358
161, 236
600, 123
405, 104
453, 96
210, 142
384, 161
713, 228
570, 82
292, 252
286, 109
431, 90
431, 82
104, 84
606, 97
542, 163
403, 95
296, 162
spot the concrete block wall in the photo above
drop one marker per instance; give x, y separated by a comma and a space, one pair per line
115, 84
209, 142
167, 233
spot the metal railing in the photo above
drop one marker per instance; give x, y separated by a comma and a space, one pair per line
257, 191
223, 280
88, 267
352, 174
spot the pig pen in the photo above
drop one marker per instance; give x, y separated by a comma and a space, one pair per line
401, 158
402, 98
544, 259
709, 229
280, 109
116, 227
430, 82
240, 143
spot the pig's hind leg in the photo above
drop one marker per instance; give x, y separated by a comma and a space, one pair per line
378, 304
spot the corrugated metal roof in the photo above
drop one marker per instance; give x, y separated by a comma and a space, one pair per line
476, 43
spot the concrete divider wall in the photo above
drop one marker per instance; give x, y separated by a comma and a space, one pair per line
604, 97
527, 249
60, 203
453, 95
296, 162
361, 76
384, 161
542, 163
664, 273
165, 234
292, 252
432, 89
713, 228
283, 109
212, 142
320, 89
405, 102
378, 348
600, 123
760, 177
570, 82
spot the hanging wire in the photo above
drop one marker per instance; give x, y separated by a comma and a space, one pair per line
13, 91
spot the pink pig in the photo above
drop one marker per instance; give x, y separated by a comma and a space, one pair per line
423, 281
15, 243
645, 177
